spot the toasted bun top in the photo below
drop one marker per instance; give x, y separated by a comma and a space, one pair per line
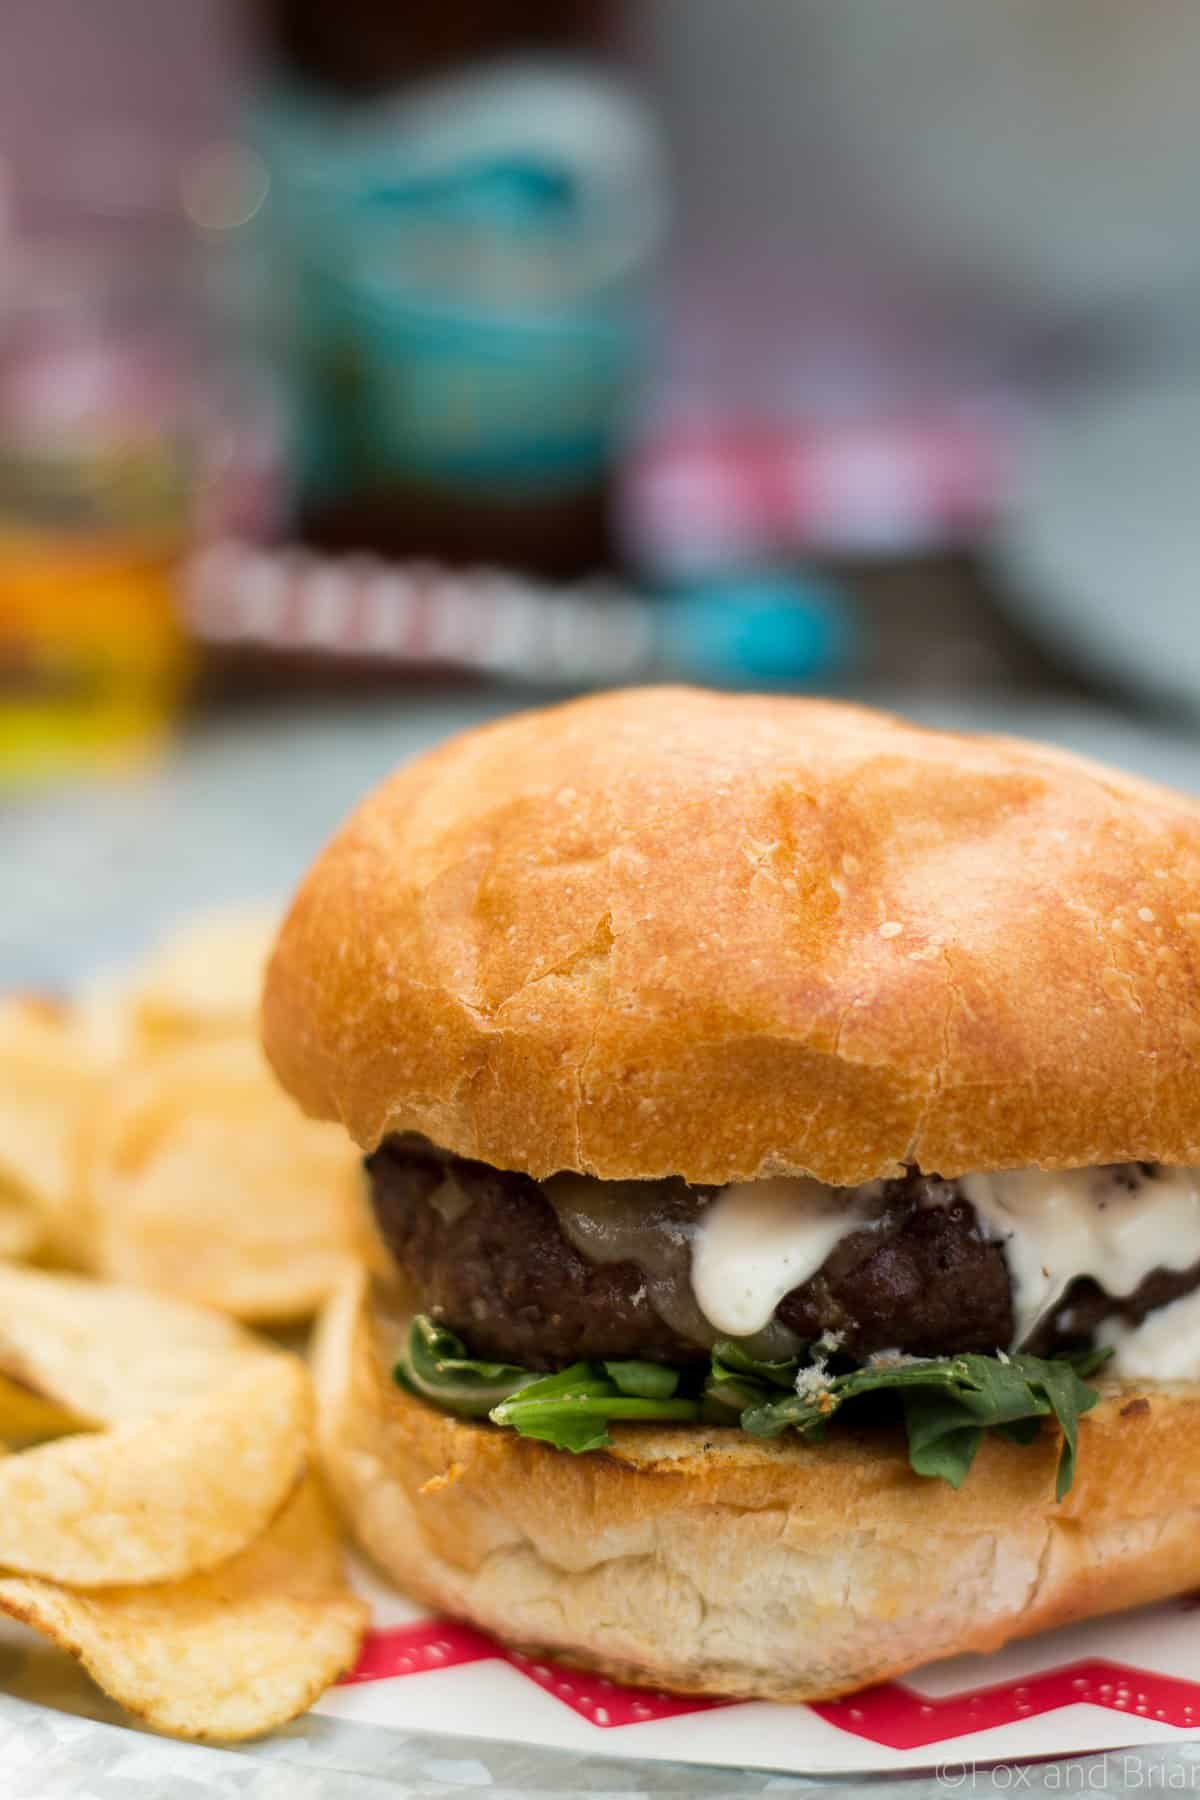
663, 931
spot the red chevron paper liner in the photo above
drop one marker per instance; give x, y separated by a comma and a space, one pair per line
892, 1715
442, 1643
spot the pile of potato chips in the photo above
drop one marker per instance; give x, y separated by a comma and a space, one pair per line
160, 1514
172, 1533
142, 1137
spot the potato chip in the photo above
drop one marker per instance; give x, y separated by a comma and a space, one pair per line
163, 1498
102, 1017
209, 1183
222, 1656
21, 1229
204, 980
51, 1079
75, 1352
29, 1418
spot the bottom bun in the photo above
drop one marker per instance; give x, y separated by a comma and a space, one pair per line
705, 1561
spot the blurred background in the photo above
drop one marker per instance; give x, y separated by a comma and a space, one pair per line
367, 370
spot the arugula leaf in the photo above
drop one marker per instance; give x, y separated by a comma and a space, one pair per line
947, 1402
721, 1399
572, 1409
645, 1380
578, 1382
1021, 1431
434, 1364
565, 1428
737, 1381
1068, 1395
730, 1359
810, 1410
939, 1442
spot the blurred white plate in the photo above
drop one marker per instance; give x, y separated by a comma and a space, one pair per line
1100, 556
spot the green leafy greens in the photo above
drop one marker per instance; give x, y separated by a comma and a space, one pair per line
436, 1366
947, 1402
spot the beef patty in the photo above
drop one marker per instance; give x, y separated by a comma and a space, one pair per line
483, 1250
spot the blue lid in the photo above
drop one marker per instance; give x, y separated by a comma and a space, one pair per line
767, 628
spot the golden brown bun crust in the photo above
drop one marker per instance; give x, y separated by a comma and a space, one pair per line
672, 932
715, 1563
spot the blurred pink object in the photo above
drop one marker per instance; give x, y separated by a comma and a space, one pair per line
730, 494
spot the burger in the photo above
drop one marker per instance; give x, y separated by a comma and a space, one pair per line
781, 1123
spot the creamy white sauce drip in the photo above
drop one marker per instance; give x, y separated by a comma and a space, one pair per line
1059, 1224
721, 1269
1164, 1347
663, 1230
760, 1239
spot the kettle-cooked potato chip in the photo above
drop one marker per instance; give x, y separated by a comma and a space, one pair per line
222, 1656
203, 980
20, 1227
207, 1182
29, 1418
164, 1497
101, 1017
77, 1352
51, 1078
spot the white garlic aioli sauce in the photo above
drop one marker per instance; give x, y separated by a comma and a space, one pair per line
760, 1239
723, 1271
1057, 1224
1164, 1347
